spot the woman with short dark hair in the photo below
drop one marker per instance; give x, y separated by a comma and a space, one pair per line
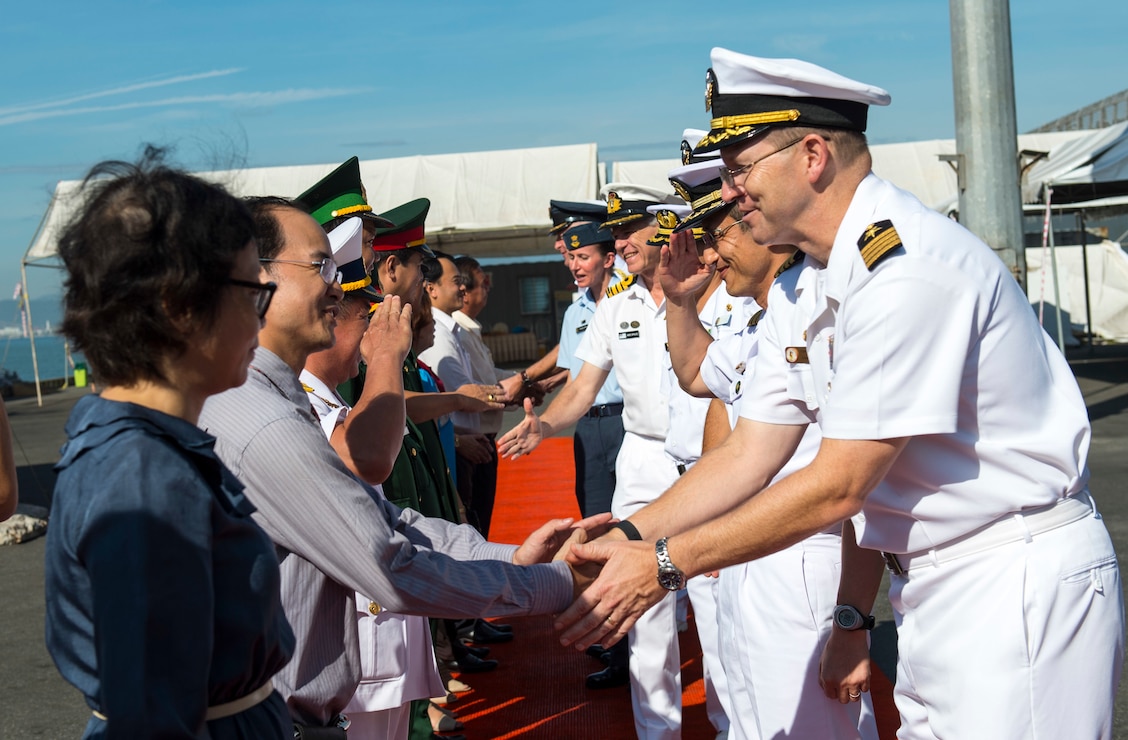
162, 594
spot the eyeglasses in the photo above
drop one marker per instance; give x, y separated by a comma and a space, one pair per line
728, 177
264, 292
326, 268
711, 238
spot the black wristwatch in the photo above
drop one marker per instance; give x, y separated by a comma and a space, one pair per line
848, 618
670, 576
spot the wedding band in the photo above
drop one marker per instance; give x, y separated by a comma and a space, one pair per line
490, 397
610, 621
853, 695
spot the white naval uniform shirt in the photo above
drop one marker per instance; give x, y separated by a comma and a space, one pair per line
396, 656
936, 343
628, 332
723, 315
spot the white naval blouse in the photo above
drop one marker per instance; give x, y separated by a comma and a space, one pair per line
628, 332
937, 343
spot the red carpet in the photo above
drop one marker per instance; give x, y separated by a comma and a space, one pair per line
538, 692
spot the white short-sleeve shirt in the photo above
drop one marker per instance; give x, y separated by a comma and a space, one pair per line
722, 315
628, 332
937, 342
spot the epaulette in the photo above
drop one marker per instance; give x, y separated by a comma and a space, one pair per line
877, 242
795, 258
755, 319
622, 285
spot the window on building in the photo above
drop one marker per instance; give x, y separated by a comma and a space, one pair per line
536, 295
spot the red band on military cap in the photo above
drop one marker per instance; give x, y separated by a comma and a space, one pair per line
400, 240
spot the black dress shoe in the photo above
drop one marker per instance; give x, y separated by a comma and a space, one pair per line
470, 663
497, 625
480, 652
608, 678
483, 633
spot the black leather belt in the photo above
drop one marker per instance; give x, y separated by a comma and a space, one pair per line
605, 409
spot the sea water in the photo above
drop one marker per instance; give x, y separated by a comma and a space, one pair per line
51, 351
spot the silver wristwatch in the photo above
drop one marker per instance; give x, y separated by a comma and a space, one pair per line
848, 618
670, 576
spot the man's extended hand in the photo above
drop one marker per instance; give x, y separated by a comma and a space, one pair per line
626, 587
475, 398
680, 270
553, 538
389, 331
523, 438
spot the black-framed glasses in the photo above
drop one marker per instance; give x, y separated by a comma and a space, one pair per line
711, 238
263, 293
326, 267
728, 176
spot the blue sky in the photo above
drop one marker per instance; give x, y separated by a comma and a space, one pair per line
257, 83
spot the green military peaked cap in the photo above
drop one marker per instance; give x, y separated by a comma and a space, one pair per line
340, 194
408, 232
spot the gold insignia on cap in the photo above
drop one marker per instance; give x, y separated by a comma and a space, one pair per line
575, 242
667, 219
710, 88
681, 190
796, 355
755, 119
877, 242
614, 202
686, 152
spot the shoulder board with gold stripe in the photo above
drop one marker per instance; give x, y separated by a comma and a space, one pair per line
795, 258
755, 319
622, 285
877, 242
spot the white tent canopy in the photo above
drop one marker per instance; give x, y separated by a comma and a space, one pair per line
1093, 165
477, 191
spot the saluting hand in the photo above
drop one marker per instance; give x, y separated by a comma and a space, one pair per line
680, 270
523, 438
389, 331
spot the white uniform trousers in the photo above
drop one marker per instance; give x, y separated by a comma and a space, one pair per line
774, 616
1025, 640
643, 472
703, 595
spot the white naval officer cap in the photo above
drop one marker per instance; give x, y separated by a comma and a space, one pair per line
627, 202
748, 95
699, 184
669, 216
690, 138
347, 242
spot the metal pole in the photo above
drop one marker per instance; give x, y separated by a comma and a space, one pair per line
1085, 275
986, 132
31, 334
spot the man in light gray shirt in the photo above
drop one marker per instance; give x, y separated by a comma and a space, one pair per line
333, 534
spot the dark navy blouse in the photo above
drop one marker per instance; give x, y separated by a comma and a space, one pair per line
162, 593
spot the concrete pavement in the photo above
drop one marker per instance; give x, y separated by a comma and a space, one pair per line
36, 703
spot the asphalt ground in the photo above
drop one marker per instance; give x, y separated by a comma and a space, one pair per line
36, 703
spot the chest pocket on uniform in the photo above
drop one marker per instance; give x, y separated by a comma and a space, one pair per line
801, 384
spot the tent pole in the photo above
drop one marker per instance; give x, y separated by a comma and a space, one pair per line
31, 333
1057, 290
1085, 270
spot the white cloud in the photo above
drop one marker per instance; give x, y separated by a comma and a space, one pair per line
239, 100
120, 90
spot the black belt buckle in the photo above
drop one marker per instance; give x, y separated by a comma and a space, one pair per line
893, 563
